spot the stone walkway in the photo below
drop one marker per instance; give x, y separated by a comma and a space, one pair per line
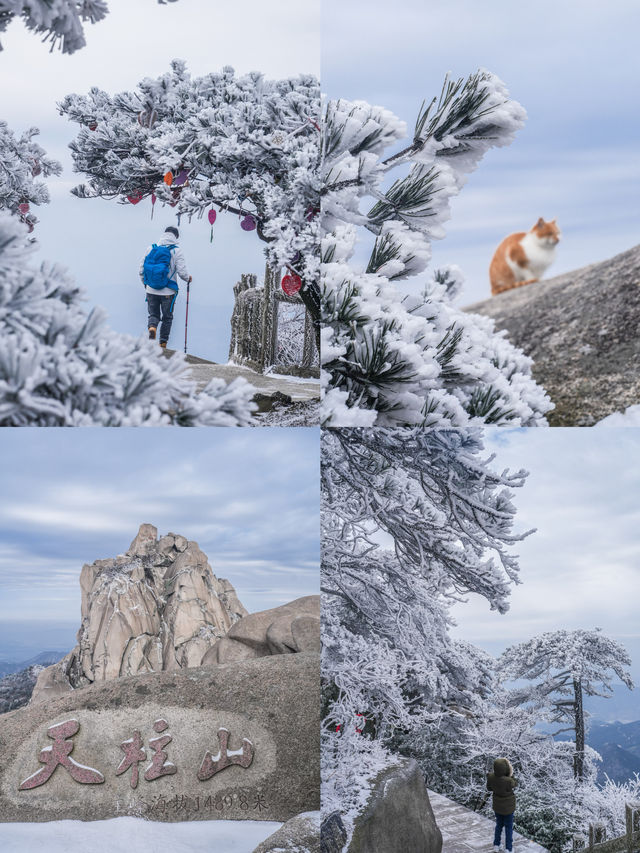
464, 831
300, 390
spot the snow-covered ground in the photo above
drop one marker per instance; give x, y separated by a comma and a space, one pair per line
135, 834
629, 418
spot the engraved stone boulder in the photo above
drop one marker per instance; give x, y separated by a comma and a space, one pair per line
157, 607
240, 741
290, 628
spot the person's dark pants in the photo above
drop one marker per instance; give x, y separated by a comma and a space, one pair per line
506, 821
161, 306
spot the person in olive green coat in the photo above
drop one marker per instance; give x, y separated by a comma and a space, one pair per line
502, 783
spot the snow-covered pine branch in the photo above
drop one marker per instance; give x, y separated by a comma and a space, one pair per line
391, 358
411, 521
22, 161
59, 21
60, 366
241, 145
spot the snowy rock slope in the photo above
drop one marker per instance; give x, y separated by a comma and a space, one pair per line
581, 329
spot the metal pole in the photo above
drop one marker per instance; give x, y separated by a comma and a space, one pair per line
186, 319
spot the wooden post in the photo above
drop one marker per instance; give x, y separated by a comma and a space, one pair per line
269, 319
309, 344
632, 823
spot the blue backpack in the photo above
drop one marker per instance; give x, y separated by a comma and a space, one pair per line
155, 269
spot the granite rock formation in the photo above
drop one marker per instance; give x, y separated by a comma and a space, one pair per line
581, 329
157, 607
290, 628
398, 815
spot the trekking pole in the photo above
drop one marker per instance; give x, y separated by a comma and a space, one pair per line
186, 319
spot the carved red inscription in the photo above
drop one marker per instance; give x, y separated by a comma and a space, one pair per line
60, 754
212, 764
133, 754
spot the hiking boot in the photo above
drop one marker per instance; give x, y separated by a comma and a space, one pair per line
152, 333
163, 344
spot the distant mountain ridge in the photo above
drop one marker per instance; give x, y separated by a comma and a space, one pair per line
45, 658
17, 685
619, 746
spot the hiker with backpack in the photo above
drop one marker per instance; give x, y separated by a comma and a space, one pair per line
159, 270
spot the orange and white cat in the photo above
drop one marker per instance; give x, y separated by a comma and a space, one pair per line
523, 258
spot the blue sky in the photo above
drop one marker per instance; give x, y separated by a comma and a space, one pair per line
581, 569
137, 40
250, 498
573, 66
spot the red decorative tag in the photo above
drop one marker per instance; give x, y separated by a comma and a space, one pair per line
291, 283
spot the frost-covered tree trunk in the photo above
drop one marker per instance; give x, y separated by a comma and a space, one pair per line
394, 358
578, 711
220, 144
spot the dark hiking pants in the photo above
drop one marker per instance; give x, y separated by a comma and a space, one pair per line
504, 821
161, 307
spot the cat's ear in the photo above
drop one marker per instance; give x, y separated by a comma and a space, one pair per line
540, 222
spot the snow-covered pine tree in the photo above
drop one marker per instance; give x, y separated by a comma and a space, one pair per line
242, 144
60, 21
564, 666
22, 161
60, 366
412, 520
393, 358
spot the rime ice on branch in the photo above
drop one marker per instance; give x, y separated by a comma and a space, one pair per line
59, 20
21, 162
395, 359
412, 521
243, 145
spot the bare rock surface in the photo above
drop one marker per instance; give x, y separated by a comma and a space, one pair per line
582, 331
240, 741
290, 628
301, 834
398, 816
157, 607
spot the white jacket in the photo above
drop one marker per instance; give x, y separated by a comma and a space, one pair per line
177, 267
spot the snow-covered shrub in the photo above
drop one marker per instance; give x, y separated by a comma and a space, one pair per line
59, 20
243, 145
411, 520
21, 162
393, 358
60, 366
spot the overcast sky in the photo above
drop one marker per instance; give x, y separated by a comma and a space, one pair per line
102, 242
581, 569
250, 498
573, 65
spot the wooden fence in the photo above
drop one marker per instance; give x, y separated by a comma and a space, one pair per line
257, 328
627, 843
